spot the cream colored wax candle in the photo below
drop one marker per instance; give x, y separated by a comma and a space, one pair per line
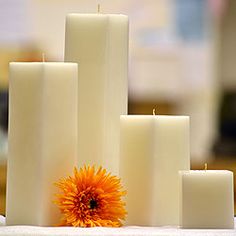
153, 150
42, 139
99, 43
136, 167
207, 199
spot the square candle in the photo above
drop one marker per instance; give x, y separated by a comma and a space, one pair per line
206, 199
42, 139
99, 43
152, 151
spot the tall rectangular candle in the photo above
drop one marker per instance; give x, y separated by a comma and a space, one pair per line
42, 139
99, 43
136, 167
153, 150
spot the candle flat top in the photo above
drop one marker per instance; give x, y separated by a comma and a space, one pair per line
42, 63
154, 116
94, 14
202, 172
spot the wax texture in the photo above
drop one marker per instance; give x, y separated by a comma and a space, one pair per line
42, 139
153, 150
136, 167
207, 199
99, 43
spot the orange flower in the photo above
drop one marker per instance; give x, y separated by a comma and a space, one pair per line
91, 198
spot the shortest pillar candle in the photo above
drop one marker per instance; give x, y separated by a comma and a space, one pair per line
207, 199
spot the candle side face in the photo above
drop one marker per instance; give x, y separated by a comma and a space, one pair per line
85, 35
85, 43
136, 152
116, 92
25, 149
207, 199
99, 43
171, 155
59, 133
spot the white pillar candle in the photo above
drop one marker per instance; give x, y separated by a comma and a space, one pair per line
99, 43
42, 139
153, 150
136, 167
207, 199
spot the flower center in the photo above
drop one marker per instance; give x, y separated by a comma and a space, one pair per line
93, 204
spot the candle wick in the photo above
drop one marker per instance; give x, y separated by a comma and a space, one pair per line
99, 8
205, 166
154, 111
43, 57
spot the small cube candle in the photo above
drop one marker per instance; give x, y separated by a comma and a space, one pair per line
207, 199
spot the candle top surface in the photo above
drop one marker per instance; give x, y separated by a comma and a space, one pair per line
94, 14
202, 172
154, 116
42, 63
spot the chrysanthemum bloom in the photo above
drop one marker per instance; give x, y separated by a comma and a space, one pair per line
91, 198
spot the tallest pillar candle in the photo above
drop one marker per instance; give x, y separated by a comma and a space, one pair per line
99, 43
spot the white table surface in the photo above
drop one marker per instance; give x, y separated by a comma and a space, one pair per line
102, 231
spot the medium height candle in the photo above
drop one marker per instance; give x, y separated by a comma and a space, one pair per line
153, 150
99, 43
42, 139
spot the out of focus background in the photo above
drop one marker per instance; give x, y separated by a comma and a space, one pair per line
182, 61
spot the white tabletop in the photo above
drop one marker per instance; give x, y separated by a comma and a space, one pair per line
102, 231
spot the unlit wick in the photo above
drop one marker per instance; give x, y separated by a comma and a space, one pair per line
99, 8
43, 57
